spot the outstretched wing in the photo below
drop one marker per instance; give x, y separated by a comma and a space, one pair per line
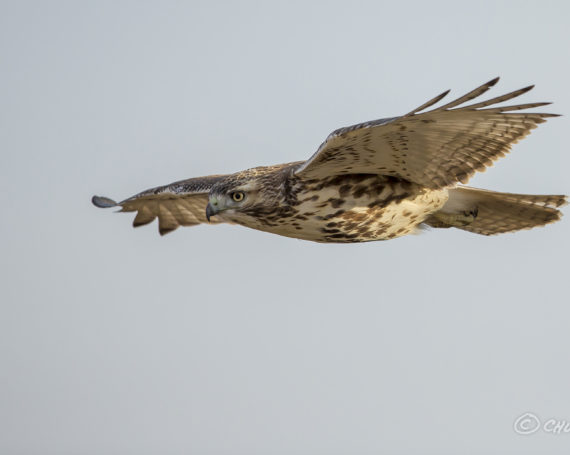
181, 203
436, 148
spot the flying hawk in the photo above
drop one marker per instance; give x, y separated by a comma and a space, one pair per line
373, 181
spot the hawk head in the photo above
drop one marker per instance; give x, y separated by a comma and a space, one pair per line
248, 195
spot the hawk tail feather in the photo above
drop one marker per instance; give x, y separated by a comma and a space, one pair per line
490, 212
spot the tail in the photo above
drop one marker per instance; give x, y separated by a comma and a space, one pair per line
489, 212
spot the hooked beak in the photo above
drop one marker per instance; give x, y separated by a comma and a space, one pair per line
210, 211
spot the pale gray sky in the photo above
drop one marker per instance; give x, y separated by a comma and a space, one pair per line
223, 340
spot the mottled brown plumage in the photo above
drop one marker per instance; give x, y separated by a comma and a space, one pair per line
372, 181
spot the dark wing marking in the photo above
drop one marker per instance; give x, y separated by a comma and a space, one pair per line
181, 203
436, 148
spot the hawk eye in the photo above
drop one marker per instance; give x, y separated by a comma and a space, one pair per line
238, 196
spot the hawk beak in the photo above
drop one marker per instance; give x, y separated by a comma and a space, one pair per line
210, 211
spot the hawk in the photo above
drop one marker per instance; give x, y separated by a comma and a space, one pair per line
372, 181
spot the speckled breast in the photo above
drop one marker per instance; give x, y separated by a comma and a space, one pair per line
356, 208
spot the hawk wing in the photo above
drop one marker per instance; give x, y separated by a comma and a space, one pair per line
436, 148
181, 203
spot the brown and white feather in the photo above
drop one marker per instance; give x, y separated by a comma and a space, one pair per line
437, 148
181, 203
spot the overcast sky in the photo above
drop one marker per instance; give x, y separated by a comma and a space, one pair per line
224, 340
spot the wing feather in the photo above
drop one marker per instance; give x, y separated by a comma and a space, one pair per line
437, 148
469, 96
181, 203
428, 103
501, 98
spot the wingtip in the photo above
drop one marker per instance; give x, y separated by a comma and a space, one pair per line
103, 202
493, 81
528, 88
163, 231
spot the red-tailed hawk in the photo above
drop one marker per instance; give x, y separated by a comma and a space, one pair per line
373, 181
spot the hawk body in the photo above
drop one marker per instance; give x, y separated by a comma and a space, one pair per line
340, 209
372, 181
